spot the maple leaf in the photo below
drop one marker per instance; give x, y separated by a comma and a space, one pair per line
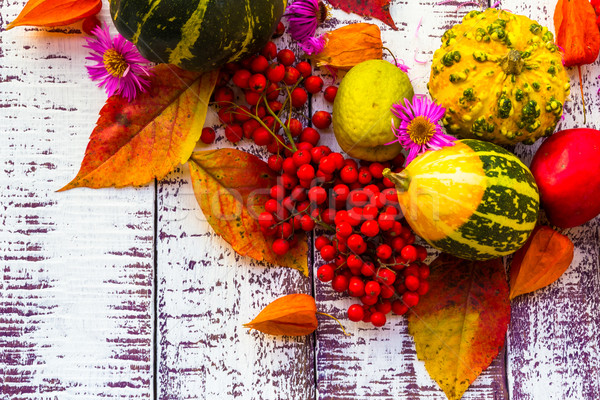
136, 142
291, 315
379, 9
231, 187
55, 12
460, 326
541, 261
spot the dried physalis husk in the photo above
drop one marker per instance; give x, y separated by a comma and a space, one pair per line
541, 261
350, 45
291, 315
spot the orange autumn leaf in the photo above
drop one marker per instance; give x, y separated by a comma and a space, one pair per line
379, 9
231, 187
350, 45
459, 327
291, 315
576, 31
136, 142
55, 12
541, 261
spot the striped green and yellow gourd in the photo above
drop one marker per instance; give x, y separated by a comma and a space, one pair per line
197, 35
474, 200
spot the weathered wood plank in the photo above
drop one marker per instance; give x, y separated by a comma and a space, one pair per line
382, 362
76, 293
554, 347
206, 292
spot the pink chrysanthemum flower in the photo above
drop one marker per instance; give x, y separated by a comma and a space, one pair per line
313, 45
119, 66
303, 17
419, 128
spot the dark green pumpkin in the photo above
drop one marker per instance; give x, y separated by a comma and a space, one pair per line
198, 35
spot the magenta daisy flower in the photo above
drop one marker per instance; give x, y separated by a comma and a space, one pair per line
419, 128
303, 17
119, 66
313, 45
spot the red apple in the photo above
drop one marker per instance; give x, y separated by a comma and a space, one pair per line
566, 168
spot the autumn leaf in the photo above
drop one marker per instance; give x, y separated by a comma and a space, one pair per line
55, 12
379, 9
576, 31
135, 142
350, 45
291, 315
231, 187
460, 326
541, 261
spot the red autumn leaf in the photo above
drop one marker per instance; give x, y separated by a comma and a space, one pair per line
135, 142
379, 9
541, 261
459, 327
576, 31
55, 12
231, 187
291, 315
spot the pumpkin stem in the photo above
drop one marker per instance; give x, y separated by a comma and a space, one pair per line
512, 64
581, 87
400, 179
337, 320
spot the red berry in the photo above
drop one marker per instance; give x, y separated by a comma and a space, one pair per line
385, 306
275, 73
295, 127
257, 83
321, 241
299, 97
344, 229
280, 30
328, 252
259, 64
306, 223
399, 160
266, 219
241, 77
262, 136
289, 167
339, 283
304, 68
357, 244
89, 24
291, 76
286, 229
277, 192
370, 228
383, 251
251, 97
398, 243
354, 261
356, 287
409, 253
272, 95
313, 84
286, 57
325, 273
298, 194
310, 135
349, 174
301, 157
340, 193
234, 133
305, 146
327, 165
421, 252
399, 308
364, 176
423, 288
289, 181
376, 170
412, 283
281, 246
424, 271
321, 119
329, 93
356, 313
208, 135
306, 172
411, 299
378, 319
269, 50
370, 212
387, 292
368, 269
275, 162
386, 222
386, 276
223, 96
226, 115
372, 288
317, 195
369, 300
271, 206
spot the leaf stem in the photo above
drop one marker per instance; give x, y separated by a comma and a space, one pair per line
337, 320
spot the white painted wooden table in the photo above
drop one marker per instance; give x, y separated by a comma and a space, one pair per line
129, 294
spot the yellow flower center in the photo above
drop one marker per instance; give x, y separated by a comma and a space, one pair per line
420, 130
115, 63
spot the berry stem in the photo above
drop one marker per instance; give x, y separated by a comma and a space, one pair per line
337, 320
285, 128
